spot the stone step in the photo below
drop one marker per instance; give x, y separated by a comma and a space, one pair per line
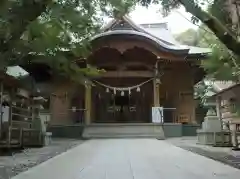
109, 136
123, 131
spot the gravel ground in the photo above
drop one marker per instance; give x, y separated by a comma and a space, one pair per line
222, 154
14, 162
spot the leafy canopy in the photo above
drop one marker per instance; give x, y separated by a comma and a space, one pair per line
226, 35
50, 30
223, 63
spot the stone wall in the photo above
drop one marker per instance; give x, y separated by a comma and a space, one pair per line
170, 130
66, 131
179, 130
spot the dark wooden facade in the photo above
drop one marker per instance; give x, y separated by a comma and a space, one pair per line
129, 59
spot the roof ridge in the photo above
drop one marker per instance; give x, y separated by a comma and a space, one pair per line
138, 28
141, 29
153, 23
135, 26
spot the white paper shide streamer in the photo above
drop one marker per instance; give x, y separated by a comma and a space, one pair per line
123, 89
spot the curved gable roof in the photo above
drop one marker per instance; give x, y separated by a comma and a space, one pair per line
161, 45
158, 33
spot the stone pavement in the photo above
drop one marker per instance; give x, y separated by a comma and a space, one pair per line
16, 161
223, 154
129, 159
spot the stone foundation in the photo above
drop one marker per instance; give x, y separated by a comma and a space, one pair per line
142, 130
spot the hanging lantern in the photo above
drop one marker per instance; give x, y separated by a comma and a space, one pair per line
114, 90
138, 89
107, 90
122, 93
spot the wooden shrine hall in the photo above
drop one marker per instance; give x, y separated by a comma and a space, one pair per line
144, 67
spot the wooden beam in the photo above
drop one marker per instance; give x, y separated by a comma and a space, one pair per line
219, 110
126, 64
126, 74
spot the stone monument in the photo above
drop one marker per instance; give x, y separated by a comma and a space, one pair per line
211, 132
41, 120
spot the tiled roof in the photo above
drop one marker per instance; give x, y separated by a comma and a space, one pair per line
16, 71
161, 31
221, 85
161, 44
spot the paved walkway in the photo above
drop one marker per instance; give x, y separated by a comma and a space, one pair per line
223, 154
16, 161
130, 159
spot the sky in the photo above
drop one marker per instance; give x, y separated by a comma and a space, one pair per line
177, 21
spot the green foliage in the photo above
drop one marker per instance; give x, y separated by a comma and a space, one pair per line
195, 7
223, 64
217, 9
119, 7
189, 37
200, 90
53, 29
203, 90
168, 5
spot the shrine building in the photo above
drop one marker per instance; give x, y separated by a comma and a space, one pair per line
144, 67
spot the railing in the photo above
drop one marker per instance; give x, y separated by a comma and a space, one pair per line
69, 114
22, 113
19, 118
169, 109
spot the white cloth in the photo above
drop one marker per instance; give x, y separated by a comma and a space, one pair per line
157, 114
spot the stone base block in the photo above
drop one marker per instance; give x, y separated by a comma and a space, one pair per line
47, 138
141, 130
214, 138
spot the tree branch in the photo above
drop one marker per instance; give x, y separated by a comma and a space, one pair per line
223, 34
20, 17
3, 3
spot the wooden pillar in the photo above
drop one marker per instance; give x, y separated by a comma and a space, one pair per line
218, 109
156, 92
1, 110
88, 104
